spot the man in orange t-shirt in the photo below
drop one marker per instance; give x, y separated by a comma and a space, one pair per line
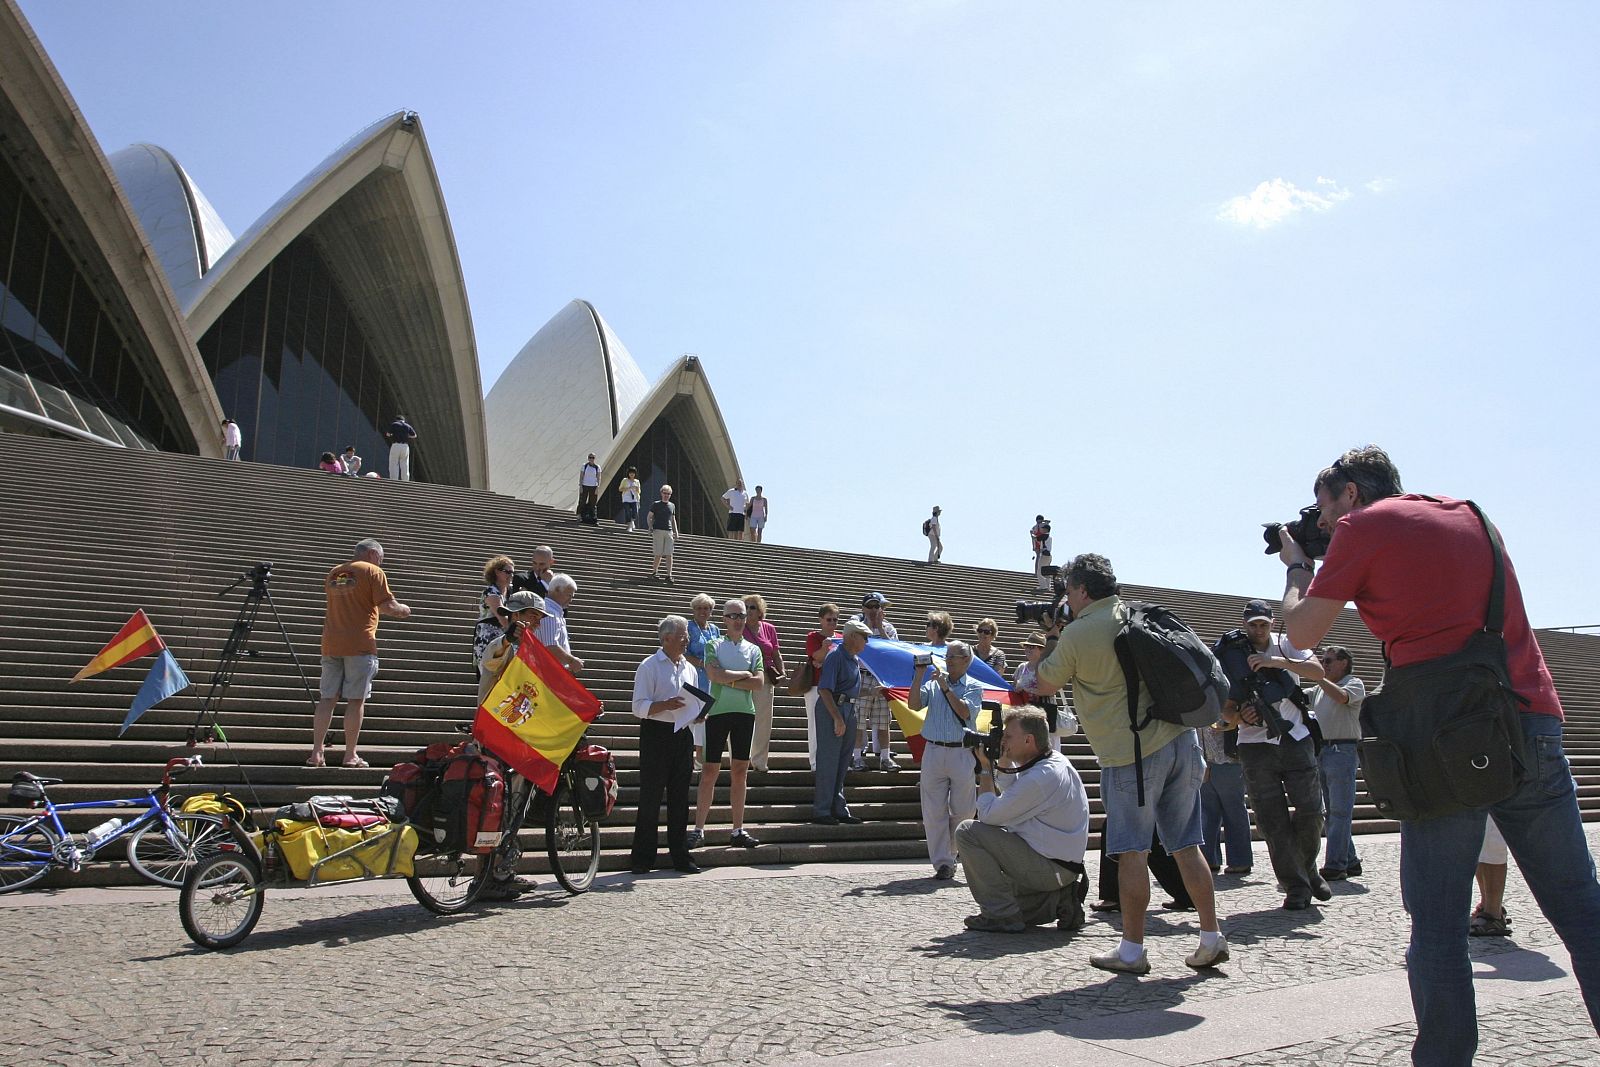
357, 591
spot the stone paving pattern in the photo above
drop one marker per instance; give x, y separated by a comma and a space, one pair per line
674, 970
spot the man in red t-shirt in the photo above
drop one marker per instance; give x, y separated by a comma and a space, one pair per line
357, 591
1419, 571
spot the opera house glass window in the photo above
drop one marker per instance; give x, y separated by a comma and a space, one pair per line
292, 366
64, 366
661, 458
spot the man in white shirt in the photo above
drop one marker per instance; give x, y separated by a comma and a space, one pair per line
588, 489
736, 499
666, 753
1280, 771
1337, 708
553, 627
1024, 852
232, 440
930, 529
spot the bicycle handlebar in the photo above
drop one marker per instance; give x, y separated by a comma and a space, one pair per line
178, 764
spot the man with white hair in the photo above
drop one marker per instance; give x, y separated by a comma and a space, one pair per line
665, 751
837, 686
553, 627
357, 593
949, 794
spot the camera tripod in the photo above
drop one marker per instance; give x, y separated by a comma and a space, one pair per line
206, 728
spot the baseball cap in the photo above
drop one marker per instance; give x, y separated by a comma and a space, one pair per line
1257, 609
525, 600
872, 599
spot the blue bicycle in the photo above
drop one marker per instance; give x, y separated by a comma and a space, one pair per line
162, 844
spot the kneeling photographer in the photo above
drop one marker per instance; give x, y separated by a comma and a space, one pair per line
1024, 852
1277, 749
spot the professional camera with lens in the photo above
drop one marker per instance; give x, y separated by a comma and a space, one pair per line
1044, 612
990, 741
1259, 690
1306, 530
260, 571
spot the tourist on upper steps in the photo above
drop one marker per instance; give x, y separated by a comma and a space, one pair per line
232, 440
756, 508
400, 434
736, 498
330, 464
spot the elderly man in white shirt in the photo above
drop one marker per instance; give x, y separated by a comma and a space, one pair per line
553, 628
666, 752
1024, 852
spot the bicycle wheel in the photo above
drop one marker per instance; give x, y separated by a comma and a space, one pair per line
572, 840
447, 884
26, 848
164, 858
221, 900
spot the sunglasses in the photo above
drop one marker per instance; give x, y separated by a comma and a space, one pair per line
989, 632
733, 614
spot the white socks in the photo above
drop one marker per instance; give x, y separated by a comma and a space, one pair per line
1129, 950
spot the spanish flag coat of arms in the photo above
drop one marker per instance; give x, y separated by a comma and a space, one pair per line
535, 714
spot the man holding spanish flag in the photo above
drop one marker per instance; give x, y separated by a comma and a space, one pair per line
531, 715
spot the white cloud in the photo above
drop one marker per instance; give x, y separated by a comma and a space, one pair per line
1380, 185
1275, 201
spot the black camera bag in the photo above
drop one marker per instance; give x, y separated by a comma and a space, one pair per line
1444, 735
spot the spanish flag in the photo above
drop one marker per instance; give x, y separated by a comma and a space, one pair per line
535, 714
137, 638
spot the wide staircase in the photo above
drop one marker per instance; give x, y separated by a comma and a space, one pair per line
90, 534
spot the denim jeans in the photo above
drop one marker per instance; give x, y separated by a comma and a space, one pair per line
1437, 860
833, 759
1224, 815
1338, 768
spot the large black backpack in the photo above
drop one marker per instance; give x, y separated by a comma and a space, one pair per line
1160, 653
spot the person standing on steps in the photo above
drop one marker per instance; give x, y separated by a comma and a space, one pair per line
930, 530
664, 750
232, 440
765, 636
757, 508
874, 715
662, 520
736, 671
400, 434
357, 592
736, 498
588, 490
630, 490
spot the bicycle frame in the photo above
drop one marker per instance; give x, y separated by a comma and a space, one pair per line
74, 852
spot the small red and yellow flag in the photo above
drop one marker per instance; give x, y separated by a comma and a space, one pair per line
137, 638
535, 714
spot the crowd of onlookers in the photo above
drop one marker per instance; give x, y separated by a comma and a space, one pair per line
1012, 811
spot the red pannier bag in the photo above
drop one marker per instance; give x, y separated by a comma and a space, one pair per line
470, 809
597, 780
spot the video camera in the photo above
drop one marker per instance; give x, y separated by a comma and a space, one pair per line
1044, 612
1259, 690
1306, 530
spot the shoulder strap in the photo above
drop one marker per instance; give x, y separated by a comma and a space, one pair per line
1495, 618
1130, 677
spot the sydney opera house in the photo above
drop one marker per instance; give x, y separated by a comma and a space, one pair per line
132, 316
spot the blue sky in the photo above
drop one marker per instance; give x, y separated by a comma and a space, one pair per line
1144, 268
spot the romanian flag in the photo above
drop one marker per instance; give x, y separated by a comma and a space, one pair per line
535, 714
137, 638
893, 663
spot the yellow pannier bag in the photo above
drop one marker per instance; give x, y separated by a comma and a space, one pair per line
389, 852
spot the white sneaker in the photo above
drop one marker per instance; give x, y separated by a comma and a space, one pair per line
1204, 957
1113, 961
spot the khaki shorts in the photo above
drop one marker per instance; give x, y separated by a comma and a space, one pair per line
661, 542
349, 677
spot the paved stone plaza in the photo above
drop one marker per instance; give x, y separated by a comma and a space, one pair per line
856, 965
